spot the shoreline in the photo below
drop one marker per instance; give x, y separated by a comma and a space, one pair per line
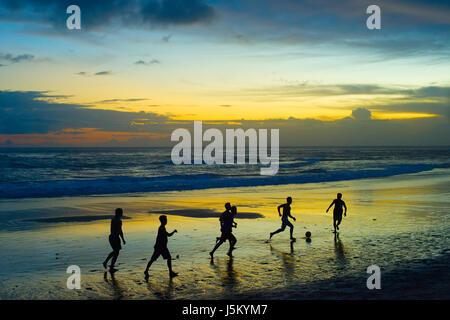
29, 203
119, 185
383, 215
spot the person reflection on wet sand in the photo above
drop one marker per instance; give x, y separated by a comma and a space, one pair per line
118, 291
229, 276
161, 292
339, 249
287, 259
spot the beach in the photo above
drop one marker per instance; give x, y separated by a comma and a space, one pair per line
399, 223
138, 133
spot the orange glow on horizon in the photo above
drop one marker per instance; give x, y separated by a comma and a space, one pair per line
76, 137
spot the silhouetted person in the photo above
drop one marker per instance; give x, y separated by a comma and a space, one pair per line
226, 226
161, 248
285, 218
227, 210
114, 239
337, 211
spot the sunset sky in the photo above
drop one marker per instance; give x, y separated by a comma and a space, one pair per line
308, 67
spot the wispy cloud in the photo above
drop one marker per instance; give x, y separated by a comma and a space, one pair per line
312, 89
16, 58
147, 63
100, 73
103, 73
428, 100
122, 100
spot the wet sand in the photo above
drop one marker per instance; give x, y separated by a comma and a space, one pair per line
398, 223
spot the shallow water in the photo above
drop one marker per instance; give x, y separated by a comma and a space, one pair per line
398, 223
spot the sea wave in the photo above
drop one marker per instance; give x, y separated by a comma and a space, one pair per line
178, 182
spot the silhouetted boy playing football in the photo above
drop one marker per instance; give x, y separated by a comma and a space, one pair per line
161, 248
285, 218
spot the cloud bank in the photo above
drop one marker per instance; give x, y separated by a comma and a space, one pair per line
27, 119
102, 13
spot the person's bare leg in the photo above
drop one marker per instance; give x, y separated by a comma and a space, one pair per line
275, 232
148, 267
292, 232
105, 263
232, 244
334, 224
218, 244
169, 265
149, 264
113, 261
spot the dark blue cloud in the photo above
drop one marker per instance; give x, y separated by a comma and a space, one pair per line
25, 112
16, 58
361, 114
177, 11
433, 91
409, 28
107, 12
103, 73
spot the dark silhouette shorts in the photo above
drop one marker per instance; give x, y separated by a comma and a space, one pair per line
286, 223
164, 252
227, 236
337, 216
114, 241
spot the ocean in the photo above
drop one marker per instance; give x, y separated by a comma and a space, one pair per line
55, 172
56, 205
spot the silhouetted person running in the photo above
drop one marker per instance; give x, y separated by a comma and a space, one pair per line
161, 248
227, 224
285, 218
337, 211
114, 239
227, 210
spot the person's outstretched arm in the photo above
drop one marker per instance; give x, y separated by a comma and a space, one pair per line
292, 216
279, 207
172, 233
330, 205
345, 212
